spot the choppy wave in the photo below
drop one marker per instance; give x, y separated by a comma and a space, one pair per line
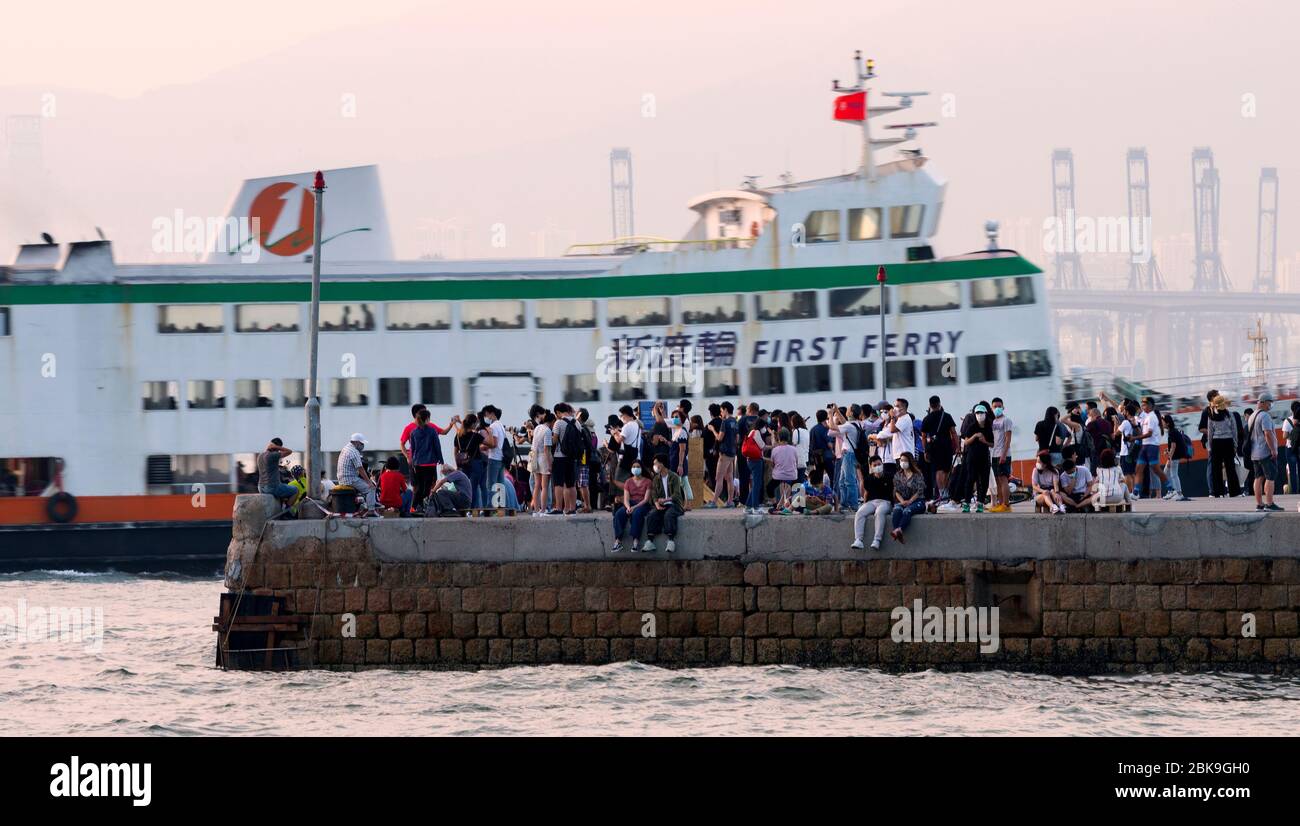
154, 676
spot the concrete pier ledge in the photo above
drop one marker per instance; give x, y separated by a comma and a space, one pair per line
1096, 593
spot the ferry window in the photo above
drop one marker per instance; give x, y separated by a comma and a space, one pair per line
581, 388
1028, 364
205, 394
253, 393
980, 369
418, 315
766, 381
190, 318
161, 395
905, 221
900, 374
929, 298
940, 371
395, 392
435, 391
822, 226
812, 378
266, 318
346, 318
1002, 292
864, 224
349, 392
859, 375
492, 315
175, 474
855, 301
712, 309
293, 392
626, 391
781, 306
29, 475
5, 329
555, 315
636, 312
676, 390
721, 383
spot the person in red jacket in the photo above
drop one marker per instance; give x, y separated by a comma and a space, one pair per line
393, 491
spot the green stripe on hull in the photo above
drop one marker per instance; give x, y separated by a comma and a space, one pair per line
469, 288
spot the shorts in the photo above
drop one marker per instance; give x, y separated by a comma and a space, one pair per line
563, 474
1265, 468
941, 459
1128, 464
1149, 455
1001, 467
541, 461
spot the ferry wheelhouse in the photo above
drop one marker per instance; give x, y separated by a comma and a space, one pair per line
161, 381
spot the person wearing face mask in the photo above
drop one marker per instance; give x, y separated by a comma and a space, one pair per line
669, 498
677, 450
879, 502
635, 507
1000, 456
1046, 484
977, 446
909, 495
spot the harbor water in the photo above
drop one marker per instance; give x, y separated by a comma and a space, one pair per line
152, 673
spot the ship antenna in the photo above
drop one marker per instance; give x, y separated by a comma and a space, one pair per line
852, 105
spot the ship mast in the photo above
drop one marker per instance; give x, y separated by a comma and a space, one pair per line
853, 105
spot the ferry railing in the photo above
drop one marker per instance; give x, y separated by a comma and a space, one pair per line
631, 246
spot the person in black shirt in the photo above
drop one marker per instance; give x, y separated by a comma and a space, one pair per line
938, 432
879, 501
470, 459
710, 442
976, 446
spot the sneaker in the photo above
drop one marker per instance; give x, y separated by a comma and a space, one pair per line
979, 507
965, 507
618, 546
1260, 507
710, 505
633, 549
648, 547
786, 511
857, 545
1272, 506
671, 546
949, 507
875, 544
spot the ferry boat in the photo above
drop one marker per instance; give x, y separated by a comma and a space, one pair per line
145, 390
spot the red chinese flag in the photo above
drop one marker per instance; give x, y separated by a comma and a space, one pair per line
851, 107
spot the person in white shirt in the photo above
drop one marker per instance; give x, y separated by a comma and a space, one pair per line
900, 426
1150, 428
494, 437
629, 439
799, 438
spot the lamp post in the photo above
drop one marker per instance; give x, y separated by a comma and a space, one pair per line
880, 279
314, 458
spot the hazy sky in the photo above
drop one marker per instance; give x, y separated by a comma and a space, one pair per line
505, 112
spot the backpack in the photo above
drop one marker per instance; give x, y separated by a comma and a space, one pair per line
571, 441
1184, 442
862, 450
751, 449
507, 451
1293, 438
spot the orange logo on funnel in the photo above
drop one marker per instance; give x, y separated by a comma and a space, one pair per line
266, 209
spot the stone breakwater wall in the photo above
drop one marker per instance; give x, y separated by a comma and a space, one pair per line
1078, 594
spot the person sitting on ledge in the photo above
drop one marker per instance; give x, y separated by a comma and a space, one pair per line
1076, 486
451, 494
268, 472
352, 471
669, 504
819, 496
635, 507
393, 491
880, 494
1111, 489
909, 495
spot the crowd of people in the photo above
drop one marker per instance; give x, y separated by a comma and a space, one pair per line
881, 462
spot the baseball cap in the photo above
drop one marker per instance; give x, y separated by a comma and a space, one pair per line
1266, 397
883, 405
357, 437
979, 408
